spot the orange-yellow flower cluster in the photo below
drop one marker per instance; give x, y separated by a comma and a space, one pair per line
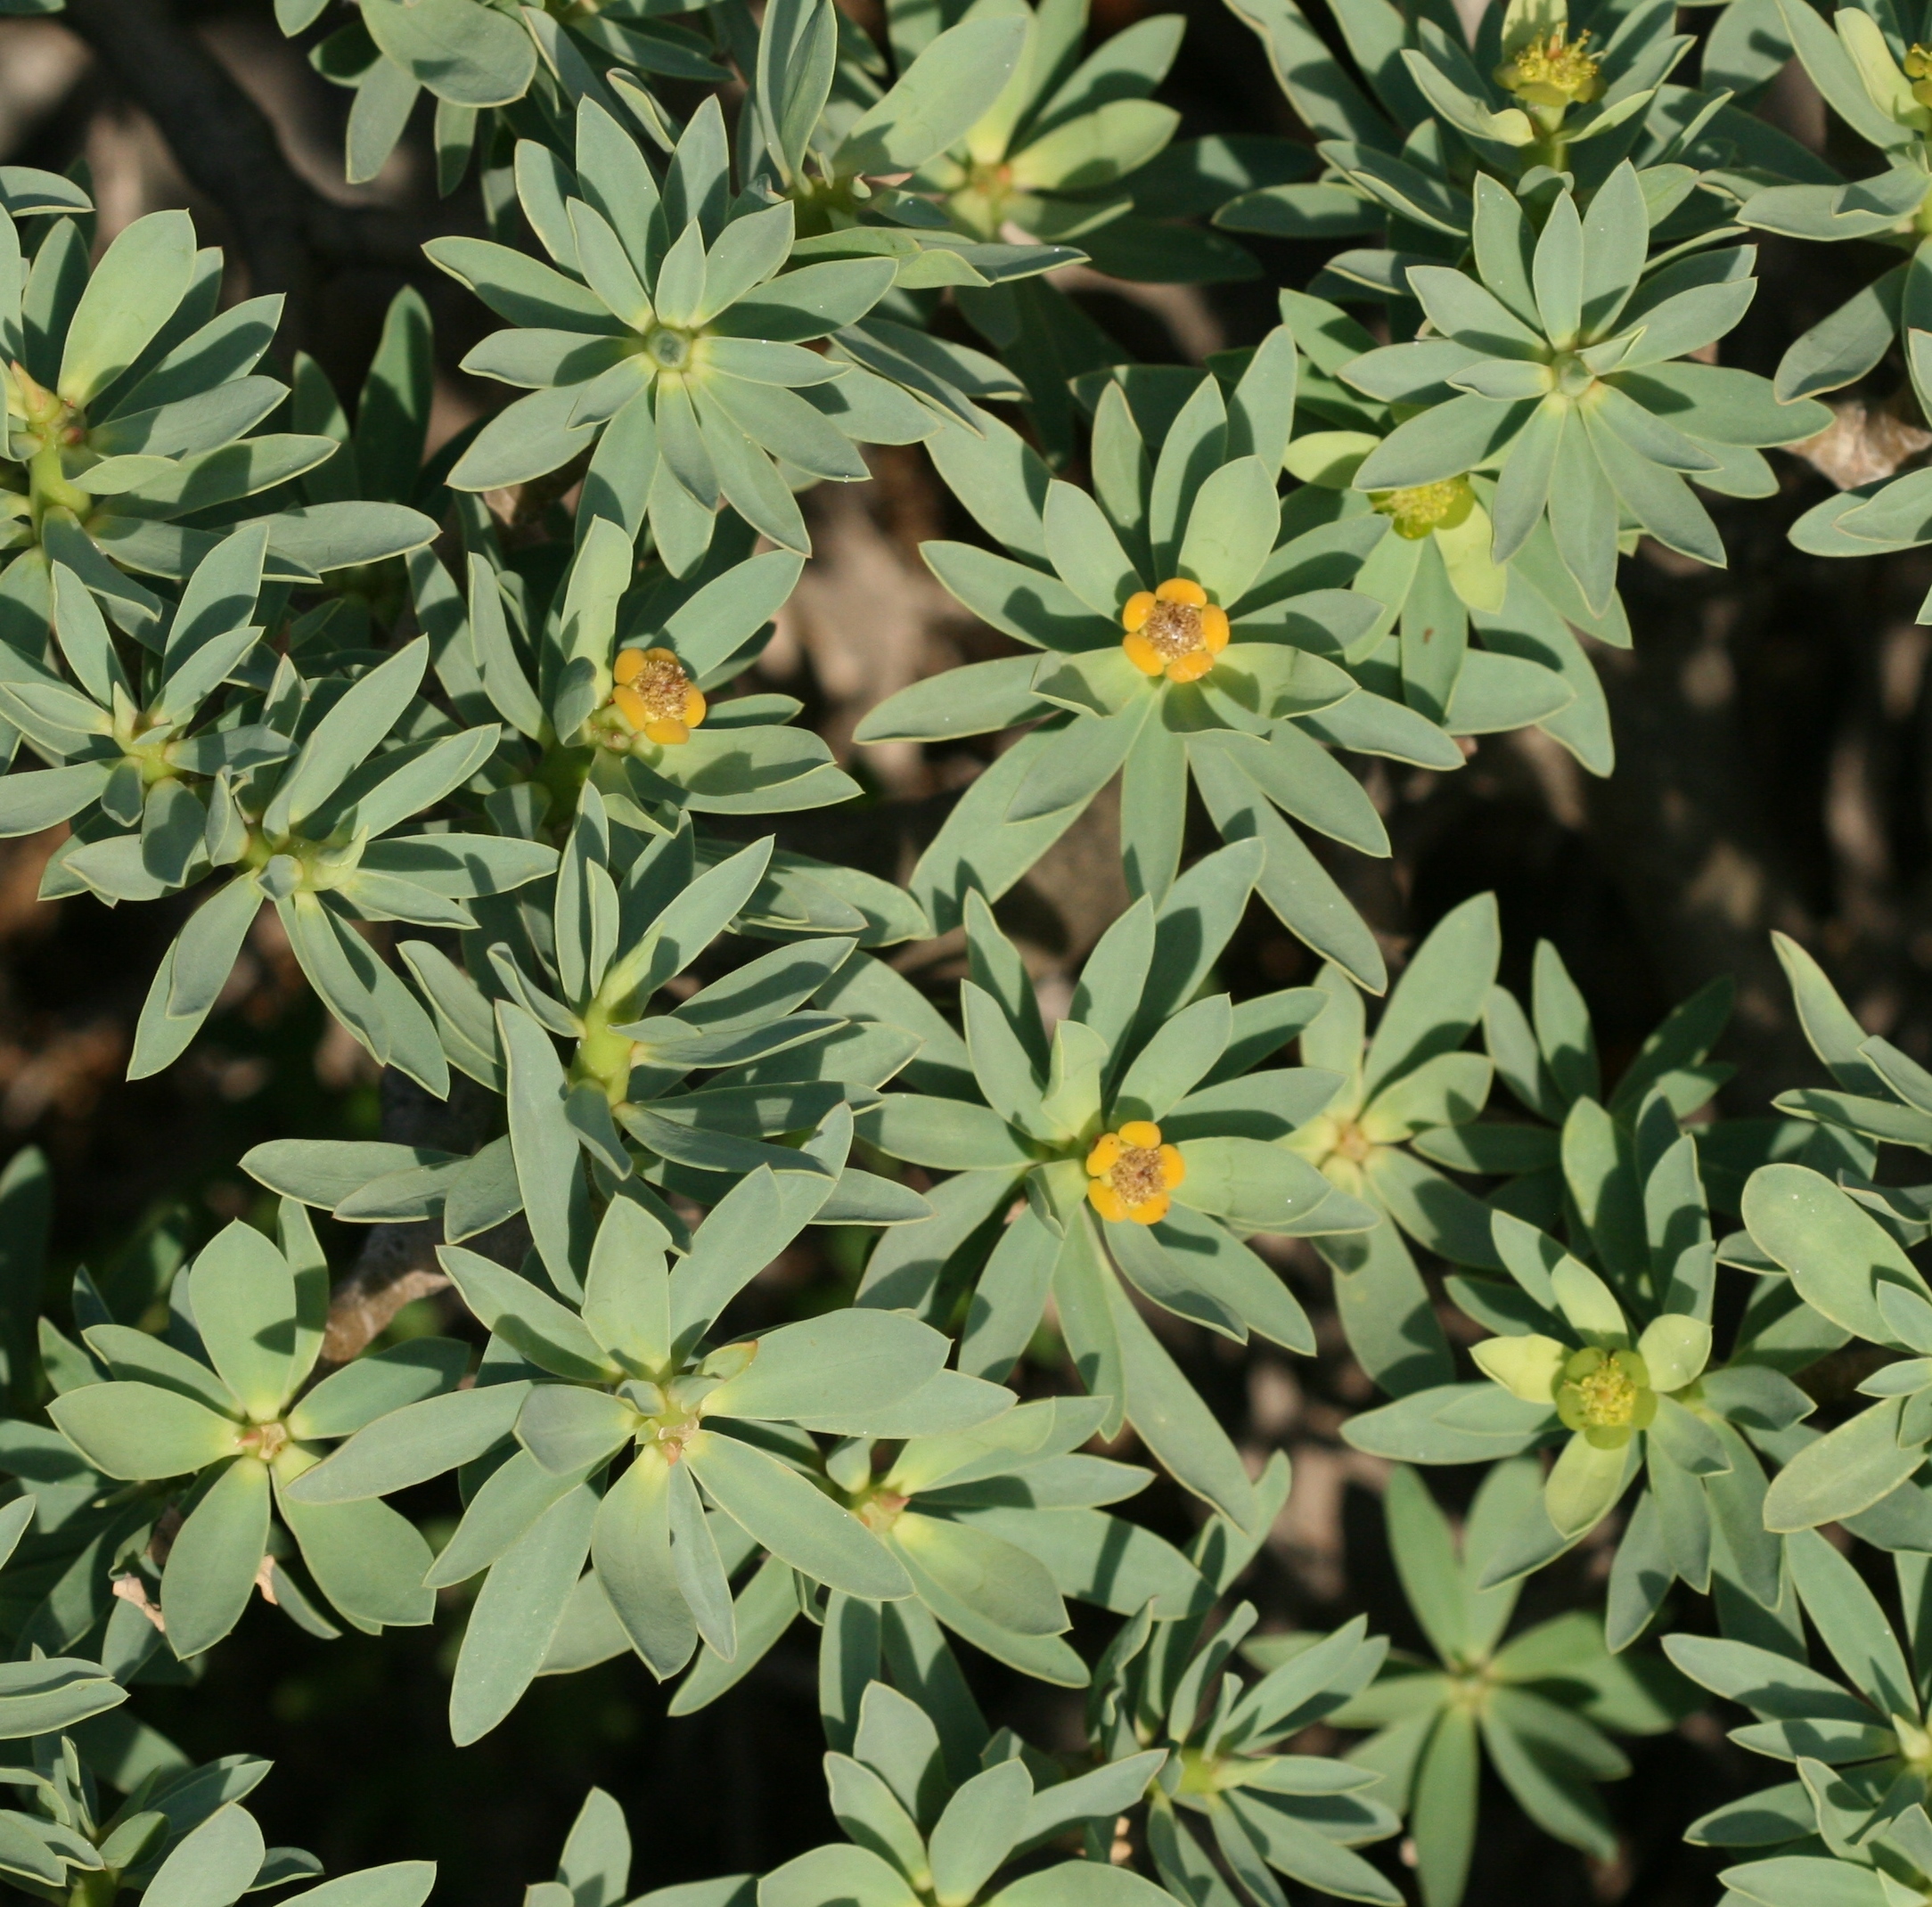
1556, 71
655, 696
1131, 1175
1173, 631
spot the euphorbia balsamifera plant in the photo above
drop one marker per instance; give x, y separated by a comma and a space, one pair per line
1561, 364
495, 688
128, 407
927, 1826
218, 1438
1535, 1706
1142, 1142
1605, 1389
213, 760
1173, 1685
1861, 1753
653, 1095
671, 336
1187, 631
627, 1371
994, 1525
1475, 640
1409, 1082
614, 689
1548, 90
1872, 73
180, 1832
1615, 1370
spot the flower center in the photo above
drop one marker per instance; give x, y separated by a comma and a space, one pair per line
1352, 1142
1173, 631
655, 697
879, 1511
1609, 1396
1425, 508
668, 349
265, 1441
1553, 72
1605, 1390
1914, 1744
1131, 1174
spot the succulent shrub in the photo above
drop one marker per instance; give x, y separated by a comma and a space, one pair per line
481, 723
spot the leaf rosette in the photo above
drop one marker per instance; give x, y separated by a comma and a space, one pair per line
1226, 679
668, 341
1013, 1115
1560, 363
709, 1433
949, 1818
1857, 1744
219, 1433
130, 409
1535, 1706
1174, 1686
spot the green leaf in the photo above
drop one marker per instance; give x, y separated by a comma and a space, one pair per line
1850, 1623
544, 1142
213, 1866
411, 1445
1443, 1807
836, 1873
1847, 1470
516, 1614
48, 1694
632, 1547
244, 1295
549, 1334
1080, 1884
833, 1370
366, 1559
1440, 995
999, 1581
1173, 1421
1258, 1187
793, 1519
133, 292
982, 1821
1837, 1255
1532, 1745
399, 1884
1806, 1880
1583, 1484
215, 1559
377, 1383
1427, 1562
136, 1430
943, 90
467, 56
1233, 523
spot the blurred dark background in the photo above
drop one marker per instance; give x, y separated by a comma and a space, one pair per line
1772, 771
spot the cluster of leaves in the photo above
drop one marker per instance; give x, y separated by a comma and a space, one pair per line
497, 693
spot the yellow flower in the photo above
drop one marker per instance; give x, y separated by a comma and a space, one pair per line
1173, 631
655, 697
1552, 73
1426, 508
1131, 1174
1606, 1394
1918, 71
